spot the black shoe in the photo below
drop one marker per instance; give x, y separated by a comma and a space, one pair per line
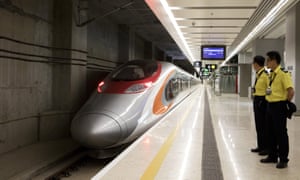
263, 153
268, 160
281, 165
256, 150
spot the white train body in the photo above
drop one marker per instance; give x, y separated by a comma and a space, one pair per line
129, 101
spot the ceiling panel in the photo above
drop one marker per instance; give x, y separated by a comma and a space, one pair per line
211, 22
196, 3
210, 40
222, 29
228, 22
213, 13
210, 35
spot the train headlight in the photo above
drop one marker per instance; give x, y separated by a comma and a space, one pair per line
136, 88
101, 87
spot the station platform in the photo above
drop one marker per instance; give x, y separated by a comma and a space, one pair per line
207, 136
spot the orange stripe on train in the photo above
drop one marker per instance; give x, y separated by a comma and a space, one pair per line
158, 106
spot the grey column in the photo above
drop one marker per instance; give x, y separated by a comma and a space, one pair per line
124, 38
244, 74
159, 54
69, 77
139, 47
169, 59
292, 46
131, 44
245, 79
149, 50
262, 46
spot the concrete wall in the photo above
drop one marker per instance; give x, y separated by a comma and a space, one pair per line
103, 41
262, 46
292, 49
25, 74
102, 47
49, 65
139, 48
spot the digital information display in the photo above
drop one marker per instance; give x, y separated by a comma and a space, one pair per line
213, 52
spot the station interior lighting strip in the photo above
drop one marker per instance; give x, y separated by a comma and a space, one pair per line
266, 21
167, 9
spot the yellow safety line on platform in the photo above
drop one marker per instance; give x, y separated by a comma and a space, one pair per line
156, 163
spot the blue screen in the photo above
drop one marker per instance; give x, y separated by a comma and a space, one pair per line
213, 53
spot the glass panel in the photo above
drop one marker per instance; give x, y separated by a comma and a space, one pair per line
135, 70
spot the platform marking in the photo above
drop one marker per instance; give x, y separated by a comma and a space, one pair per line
156, 163
107, 168
211, 165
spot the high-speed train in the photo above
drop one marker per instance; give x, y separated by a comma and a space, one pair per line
129, 101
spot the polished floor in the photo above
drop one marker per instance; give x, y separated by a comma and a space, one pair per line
235, 134
207, 137
173, 148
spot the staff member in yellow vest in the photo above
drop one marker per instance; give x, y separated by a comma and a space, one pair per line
260, 105
279, 91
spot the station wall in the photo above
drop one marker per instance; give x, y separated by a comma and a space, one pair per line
25, 74
49, 65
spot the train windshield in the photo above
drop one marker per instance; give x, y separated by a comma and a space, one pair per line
135, 70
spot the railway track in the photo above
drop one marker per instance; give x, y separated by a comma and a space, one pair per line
76, 168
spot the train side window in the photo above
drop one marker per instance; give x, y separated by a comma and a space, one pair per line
171, 90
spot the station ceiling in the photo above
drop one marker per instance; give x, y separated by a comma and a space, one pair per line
195, 22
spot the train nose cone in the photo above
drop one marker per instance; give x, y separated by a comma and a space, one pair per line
96, 130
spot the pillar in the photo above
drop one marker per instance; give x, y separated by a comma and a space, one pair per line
69, 75
292, 46
244, 73
149, 50
262, 46
124, 38
159, 54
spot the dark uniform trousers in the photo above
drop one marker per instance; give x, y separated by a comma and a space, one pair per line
278, 136
260, 107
